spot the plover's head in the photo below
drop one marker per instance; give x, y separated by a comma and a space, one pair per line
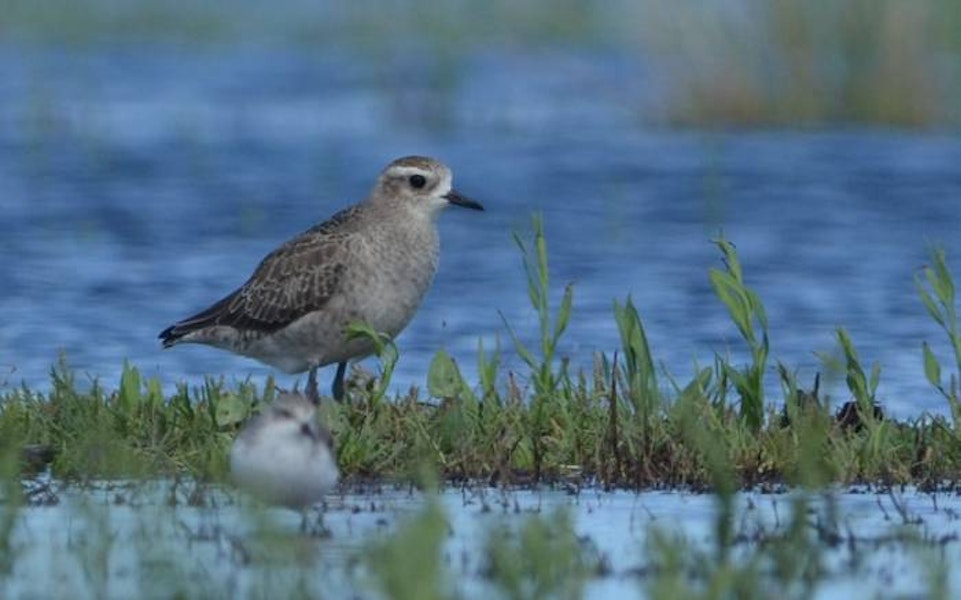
421, 183
294, 416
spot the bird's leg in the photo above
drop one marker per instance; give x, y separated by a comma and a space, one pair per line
319, 529
338, 387
313, 527
312, 394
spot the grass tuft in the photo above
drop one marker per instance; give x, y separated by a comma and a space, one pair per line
610, 423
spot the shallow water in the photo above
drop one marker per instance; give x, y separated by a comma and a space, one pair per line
140, 183
114, 540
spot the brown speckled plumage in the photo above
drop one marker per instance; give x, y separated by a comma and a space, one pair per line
372, 262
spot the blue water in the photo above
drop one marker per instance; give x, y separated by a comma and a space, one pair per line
140, 183
149, 539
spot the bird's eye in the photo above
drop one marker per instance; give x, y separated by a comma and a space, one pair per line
417, 181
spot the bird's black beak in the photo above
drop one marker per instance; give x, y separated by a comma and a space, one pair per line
308, 431
455, 198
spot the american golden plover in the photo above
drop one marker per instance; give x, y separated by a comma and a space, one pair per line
371, 263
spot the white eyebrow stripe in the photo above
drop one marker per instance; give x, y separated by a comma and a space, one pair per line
410, 171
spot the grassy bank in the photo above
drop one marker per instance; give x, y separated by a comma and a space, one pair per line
619, 422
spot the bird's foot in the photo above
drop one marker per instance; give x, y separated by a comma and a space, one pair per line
315, 529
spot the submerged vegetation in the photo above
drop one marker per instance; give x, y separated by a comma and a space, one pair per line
620, 422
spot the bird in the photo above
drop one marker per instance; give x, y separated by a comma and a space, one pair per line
284, 456
370, 263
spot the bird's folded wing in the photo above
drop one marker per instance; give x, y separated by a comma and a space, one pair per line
298, 278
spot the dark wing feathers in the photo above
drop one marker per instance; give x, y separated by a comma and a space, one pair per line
297, 278
278, 298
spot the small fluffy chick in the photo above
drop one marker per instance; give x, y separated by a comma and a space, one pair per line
284, 456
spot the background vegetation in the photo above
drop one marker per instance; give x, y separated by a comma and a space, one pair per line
743, 63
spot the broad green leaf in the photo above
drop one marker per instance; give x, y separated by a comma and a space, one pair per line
155, 392
443, 377
129, 387
362, 330
929, 303
564, 312
231, 409
932, 369
733, 298
757, 307
525, 354
875, 379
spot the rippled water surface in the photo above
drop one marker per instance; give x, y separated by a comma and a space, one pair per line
140, 183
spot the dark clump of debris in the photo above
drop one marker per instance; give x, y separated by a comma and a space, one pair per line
850, 417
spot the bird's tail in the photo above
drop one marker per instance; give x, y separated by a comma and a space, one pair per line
215, 315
